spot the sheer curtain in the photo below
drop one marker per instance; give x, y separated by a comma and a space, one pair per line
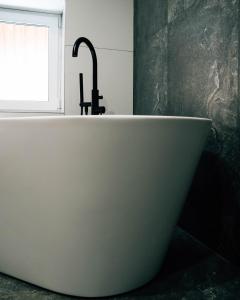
23, 62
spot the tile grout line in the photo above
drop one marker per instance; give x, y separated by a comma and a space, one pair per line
111, 49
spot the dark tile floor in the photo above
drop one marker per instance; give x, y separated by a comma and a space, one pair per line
190, 272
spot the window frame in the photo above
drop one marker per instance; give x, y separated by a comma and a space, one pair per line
55, 65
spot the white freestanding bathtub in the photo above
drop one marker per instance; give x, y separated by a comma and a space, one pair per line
88, 204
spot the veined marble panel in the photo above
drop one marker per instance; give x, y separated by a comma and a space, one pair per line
150, 61
202, 71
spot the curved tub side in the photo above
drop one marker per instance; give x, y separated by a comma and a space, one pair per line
88, 206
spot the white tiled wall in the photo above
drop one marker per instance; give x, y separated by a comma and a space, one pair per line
107, 23
109, 26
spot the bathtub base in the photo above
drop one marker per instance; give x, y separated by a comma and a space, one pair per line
89, 287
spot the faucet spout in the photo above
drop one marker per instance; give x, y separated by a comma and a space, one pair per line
96, 109
76, 45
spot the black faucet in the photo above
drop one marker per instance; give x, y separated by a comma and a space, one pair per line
96, 109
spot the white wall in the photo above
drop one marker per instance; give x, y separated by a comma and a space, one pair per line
108, 23
109, 26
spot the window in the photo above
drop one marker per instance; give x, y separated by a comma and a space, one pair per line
30, 61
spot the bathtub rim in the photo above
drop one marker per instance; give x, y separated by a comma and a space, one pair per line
107, 117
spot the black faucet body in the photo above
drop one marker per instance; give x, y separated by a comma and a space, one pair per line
95, 108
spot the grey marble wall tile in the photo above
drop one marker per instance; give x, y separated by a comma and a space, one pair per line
175, 9
150, 61
203, 81
202, 67
178, 8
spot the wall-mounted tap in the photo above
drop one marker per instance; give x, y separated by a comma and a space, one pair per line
95, 108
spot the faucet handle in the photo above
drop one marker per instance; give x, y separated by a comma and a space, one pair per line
100, 97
